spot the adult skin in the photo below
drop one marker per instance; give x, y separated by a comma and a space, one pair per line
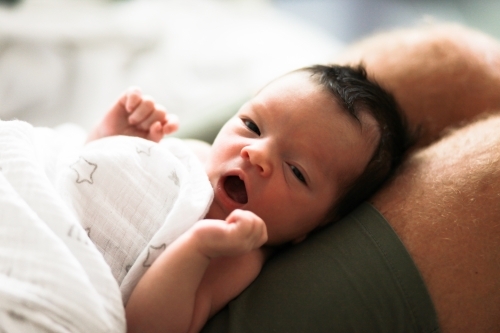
440, 74
445, 206
444, 203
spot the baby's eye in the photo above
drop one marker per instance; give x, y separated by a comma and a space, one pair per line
298, 174
251, 126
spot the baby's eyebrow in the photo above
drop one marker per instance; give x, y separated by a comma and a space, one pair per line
257, 105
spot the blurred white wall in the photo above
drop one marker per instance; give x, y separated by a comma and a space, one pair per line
68, 60
349, 20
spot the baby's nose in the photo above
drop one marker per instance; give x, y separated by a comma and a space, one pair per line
259, 157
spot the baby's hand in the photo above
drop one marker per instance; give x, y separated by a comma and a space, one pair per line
136, 115
240, 233
146, 116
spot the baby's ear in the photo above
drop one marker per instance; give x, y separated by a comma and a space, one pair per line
299, 239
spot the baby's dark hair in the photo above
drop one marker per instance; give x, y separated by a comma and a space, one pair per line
357, 94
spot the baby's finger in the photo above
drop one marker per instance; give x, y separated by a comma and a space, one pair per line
133, 97
250, 225
142, 111
155, 116
171, 125
155, 132
240, 215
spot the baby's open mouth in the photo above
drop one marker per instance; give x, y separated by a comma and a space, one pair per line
235, 189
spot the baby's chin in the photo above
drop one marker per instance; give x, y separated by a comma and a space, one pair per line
215, 212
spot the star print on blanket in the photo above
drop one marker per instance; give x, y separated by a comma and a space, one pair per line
52, 277
84, 169
135, 197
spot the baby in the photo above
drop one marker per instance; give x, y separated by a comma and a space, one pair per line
302, 152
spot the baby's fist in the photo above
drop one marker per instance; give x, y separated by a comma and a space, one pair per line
240, 233
249, 228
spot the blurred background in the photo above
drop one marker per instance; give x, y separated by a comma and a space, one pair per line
68, 60
350, 20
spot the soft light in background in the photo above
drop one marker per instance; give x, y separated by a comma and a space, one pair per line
349, 20
68, 60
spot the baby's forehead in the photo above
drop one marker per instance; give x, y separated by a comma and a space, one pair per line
302, 79
351, 150
311, 111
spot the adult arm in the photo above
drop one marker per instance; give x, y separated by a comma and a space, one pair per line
440, 74
444, 204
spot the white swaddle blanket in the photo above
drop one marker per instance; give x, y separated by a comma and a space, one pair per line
134, 197
53, 195
52, 278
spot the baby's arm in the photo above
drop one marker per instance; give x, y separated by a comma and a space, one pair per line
135, 115
198, 274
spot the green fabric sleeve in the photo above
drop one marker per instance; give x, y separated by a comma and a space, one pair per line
353, 276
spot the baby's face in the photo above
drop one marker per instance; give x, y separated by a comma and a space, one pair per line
285, 156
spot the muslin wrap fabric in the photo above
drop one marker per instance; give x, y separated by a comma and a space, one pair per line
134, 197
80, 224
